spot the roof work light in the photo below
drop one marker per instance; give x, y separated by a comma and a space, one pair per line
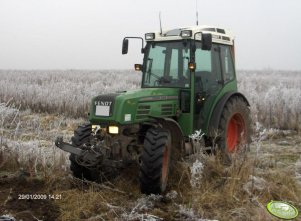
149, 36
186, 33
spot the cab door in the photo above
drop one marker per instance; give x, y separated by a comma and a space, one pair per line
208, 82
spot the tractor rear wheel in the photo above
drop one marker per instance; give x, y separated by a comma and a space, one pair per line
235, 127
155, 161
82, 136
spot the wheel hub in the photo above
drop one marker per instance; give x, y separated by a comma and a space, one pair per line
235, 130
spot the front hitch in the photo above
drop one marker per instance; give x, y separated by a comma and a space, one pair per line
67, 147
85, 157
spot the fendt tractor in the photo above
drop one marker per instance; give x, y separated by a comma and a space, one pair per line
188, 84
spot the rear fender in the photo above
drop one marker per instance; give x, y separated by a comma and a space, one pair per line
212, 128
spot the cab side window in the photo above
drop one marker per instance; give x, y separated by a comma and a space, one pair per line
208, 72
227, 63
203, 60
174, 63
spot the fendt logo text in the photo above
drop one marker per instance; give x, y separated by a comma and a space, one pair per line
103, 103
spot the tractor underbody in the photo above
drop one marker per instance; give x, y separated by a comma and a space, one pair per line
95, 148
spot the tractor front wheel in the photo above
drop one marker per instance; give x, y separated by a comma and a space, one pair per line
82, 135
155, 161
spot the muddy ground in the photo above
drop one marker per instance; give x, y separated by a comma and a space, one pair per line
11, 190
278, 153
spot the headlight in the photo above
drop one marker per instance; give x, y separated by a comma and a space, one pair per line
95, 128
113, 130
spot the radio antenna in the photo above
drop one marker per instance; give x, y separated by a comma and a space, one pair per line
160, 23
197, 14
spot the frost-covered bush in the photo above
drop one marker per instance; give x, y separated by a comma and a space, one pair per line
141, 207
7, 114
67, 92
32, 155
274, 96
196, 173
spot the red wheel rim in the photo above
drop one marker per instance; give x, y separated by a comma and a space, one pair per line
235, 131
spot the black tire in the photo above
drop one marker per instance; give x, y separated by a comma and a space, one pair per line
82, 136
234, 127
155, 161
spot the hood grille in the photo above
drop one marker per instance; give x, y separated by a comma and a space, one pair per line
142, 111
166, 109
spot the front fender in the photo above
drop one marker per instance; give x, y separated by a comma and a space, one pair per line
174, 129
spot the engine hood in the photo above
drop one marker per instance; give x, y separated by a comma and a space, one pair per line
134, 106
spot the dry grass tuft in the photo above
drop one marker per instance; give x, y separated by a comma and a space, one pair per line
239, 191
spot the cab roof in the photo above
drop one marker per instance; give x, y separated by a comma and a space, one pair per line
219, 35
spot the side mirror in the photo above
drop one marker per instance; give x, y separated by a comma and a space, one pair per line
125, 46
206, 41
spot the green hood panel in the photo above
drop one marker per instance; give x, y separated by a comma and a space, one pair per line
134, 106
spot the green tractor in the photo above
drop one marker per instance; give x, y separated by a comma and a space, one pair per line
188, 84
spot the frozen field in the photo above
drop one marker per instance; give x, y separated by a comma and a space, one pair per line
275, 96
36, 106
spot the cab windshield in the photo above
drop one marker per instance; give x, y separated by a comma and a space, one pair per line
166, 64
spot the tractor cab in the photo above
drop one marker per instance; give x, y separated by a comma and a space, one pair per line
198, 61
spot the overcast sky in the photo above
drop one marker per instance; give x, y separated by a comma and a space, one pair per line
87, 34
